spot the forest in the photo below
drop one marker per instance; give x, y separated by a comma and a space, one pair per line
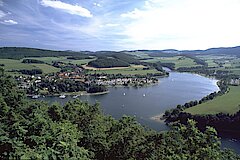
77, 130
22, 52
107, 62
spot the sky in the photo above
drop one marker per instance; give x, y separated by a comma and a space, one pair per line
120, 24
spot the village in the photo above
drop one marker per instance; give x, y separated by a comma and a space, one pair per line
78, 80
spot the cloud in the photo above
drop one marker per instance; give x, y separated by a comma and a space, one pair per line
110, 25
97, 4
9, 22
135, 14
2, 14
189, 24
71, 9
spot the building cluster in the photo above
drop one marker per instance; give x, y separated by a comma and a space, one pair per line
235, 82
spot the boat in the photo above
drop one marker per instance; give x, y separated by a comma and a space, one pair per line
124, 94
62, 96
76, 96
144, 95
35, 96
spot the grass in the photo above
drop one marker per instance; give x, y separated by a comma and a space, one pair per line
227, 103
179, 61
49, 60
80, 62
211, 63
47, 68
132, 70
10, 64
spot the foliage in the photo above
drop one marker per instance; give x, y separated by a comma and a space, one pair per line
21, 52
32, 61
30, 72
113, 59
77, 130
172, 115
107, 62
96, 88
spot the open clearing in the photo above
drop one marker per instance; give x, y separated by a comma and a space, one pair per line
50, 60
10, 64
132, 70
227, 103
179, 61
47, 68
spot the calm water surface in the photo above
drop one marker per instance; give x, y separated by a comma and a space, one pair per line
146, 102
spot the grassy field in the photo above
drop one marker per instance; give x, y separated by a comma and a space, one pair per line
132, 70
49, 60
211, 63
179, 61
223, 63
227, 103
10, 65
47, 68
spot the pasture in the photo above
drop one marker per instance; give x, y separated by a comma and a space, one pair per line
50, 60
227, 103
132, 70
10, 65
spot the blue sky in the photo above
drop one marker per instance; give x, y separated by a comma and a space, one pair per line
119, 24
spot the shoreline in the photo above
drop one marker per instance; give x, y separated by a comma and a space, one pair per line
83, 93
158, 118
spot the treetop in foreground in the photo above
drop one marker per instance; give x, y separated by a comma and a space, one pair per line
77, 130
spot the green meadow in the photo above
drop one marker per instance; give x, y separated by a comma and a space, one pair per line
179, 61
10, 65
227, 103
50, 60
132, 70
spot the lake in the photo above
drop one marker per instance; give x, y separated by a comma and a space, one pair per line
146, 102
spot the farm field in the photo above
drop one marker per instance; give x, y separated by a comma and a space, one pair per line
211, 63
10, 64
132, 70
227, 103
49, 60
47, 68
179, 61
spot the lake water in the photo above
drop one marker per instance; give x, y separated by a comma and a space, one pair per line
145, 102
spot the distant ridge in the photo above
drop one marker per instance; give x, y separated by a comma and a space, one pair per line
22, 52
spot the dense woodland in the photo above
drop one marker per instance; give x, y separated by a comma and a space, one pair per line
108, 62
113, 59
21, 52
77, 130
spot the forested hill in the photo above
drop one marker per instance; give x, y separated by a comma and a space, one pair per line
232, 51
77, 130
21, 52
113, 59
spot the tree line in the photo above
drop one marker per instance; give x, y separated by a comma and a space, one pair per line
172, 115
